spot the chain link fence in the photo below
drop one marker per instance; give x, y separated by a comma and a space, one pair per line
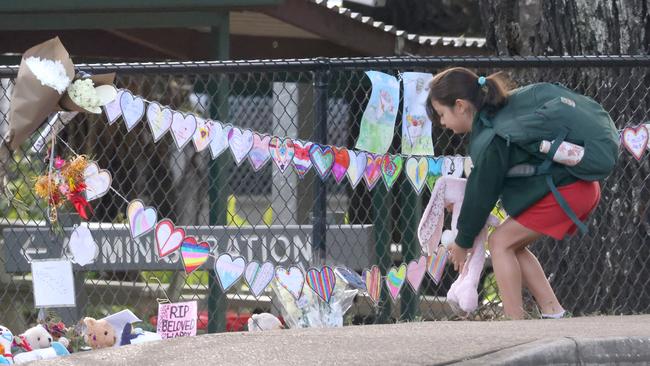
273, 216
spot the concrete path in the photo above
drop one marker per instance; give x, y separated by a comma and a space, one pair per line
565, 341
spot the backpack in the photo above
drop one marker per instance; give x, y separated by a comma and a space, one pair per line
555, 113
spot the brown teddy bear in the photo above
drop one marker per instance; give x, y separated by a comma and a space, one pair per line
99, 333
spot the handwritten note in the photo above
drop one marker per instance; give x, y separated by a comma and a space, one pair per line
53, 283
177, 320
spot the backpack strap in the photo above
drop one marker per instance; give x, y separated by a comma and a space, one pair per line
523, 170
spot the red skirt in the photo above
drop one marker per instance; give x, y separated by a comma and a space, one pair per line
547, 216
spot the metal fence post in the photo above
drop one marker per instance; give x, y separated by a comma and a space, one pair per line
381, 202
218, 181
408, 221
319, 229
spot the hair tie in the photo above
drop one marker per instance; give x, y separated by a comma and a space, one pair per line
481, 80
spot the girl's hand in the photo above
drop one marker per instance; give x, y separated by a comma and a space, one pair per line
458, 256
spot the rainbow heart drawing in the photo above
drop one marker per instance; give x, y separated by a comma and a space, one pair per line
159, 120
259, 276
341, 163
322, 282
395, 279
194, 253
229, 270
373, 170
293, 280
436, 264
391, 167
141, 219
259, 154
113, 110
357, 167
168, 237
416, 171
415, 272
301, 159
372, 278
322, 157
282, 152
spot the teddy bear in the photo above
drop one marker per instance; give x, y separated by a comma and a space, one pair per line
37, 337
99, 333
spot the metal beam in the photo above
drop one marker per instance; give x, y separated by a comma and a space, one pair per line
80, 6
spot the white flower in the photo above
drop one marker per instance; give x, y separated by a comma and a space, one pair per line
82, 92
50, 73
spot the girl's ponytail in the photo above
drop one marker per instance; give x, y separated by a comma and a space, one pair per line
487, 94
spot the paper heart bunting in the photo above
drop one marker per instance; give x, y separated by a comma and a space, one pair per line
435, 171
436, 264
357, 167
322, 157
351, 278
259, 154
168, 237
301, 159
98, 181
372, 278
82, 246
132, 109
229, 270
453, 165
415, 272
391, 167
141, 219
203, 134
159, 120
282, 152
635, 140
468, 166
341, 163
372, 172
240, 142
416, 171
259, 276
219, 142
194, 253
183, 128
322, 282
113, 110
293, 280
395, 279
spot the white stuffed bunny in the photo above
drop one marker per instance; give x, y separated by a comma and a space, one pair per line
448, 192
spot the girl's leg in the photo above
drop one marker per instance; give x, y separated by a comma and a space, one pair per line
535, 280
504, 242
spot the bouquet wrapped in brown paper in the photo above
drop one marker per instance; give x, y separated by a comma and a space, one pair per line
45, 78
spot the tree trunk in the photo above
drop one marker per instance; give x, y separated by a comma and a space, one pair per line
606, 271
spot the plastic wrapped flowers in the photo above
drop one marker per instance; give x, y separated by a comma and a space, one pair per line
64, 183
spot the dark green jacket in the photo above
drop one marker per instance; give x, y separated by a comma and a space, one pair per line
488, 182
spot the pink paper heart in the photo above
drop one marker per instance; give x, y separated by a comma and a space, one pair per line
635, 140
282, 152
113, 110
168, 237
159, 120
259, 154
373, 170
183, 128
240, 142
203, 135
415, 272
